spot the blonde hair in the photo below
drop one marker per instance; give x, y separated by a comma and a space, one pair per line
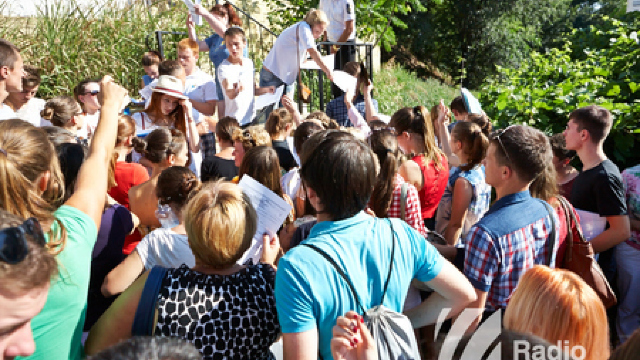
60, 110
26, 155
316, 16
252, 136
220, 224
557, 305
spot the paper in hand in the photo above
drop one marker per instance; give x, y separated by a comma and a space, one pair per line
196, 18
309, 64
344, 81
271, 209
268, 99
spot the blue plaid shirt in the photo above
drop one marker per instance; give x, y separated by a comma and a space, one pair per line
510, 239
337, 110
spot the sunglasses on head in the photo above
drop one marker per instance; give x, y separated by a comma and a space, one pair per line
497, 136
93, 92
13, 243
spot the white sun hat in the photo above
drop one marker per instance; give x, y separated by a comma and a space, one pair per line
170, 85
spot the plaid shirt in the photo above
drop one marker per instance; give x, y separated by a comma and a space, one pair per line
510, 239
337, 110
412, 213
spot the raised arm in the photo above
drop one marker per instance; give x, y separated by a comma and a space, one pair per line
444, 136
91, 187
315, 55
214, 21
191, 28
290, 105
193, 136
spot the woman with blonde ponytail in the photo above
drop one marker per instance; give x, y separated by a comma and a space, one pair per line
29, 177
427, 168
467, 195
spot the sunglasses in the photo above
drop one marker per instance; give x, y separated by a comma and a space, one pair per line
497, 136
13, 243
93, 92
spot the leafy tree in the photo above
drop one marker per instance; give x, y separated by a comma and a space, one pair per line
594, 66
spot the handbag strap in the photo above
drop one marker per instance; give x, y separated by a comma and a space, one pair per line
552, 235
298, 57
344, 276
403, 200
569, 218
145, 313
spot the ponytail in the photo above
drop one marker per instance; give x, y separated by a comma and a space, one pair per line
474, 143
384, 145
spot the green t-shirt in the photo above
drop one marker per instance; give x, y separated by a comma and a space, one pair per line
57, 330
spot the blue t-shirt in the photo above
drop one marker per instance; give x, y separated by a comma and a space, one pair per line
311, 294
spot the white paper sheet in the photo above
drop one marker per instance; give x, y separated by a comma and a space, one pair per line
344, 81
592, 224
309, 64
196, 18
268, 99
271, 209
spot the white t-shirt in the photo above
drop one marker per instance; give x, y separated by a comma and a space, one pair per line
90, 125
6, 112
339, 12
282, 60
241, 107
30, 112
166, 248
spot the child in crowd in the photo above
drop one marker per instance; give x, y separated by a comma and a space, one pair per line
467, 195
64, 112
236, 75
150, 62
222, 164
565, 173
279, 125
166, 246
24, 103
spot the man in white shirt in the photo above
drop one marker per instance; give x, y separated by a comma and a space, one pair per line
24, 103
342, 25
11, 74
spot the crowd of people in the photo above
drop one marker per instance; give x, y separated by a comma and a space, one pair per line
116, 226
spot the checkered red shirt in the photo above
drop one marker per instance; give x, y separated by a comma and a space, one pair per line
413, 213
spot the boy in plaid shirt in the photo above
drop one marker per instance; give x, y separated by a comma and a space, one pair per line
513, 235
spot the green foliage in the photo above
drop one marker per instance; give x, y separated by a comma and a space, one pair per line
594, 66
469, 38
372, 16
71, 44
396, 88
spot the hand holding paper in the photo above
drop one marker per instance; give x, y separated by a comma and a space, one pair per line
269, 98
190, 4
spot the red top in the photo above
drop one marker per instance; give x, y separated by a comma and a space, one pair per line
127, 176
435, 181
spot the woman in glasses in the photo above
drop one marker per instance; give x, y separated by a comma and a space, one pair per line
220, 18
30, 182
427, 169
86, 94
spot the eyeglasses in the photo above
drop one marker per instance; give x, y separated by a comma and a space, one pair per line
497, 135
92, 93
13, 244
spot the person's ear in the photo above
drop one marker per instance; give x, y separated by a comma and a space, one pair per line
171, 159
43, 181
4, 72
313, 198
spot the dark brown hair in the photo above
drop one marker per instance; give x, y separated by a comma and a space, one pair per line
384, 144
595, 119
341, 170
225, 128
227, 9
152, 57
81, 89
303, 132
418, 121
8, 54
33, 78
559, 147
159, 144
458, 105
474, 143
170, 67
483, 121
261, 163
528, 150
175, 186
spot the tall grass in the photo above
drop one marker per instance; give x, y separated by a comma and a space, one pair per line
70, 44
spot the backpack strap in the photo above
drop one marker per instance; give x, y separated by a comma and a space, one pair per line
403, 200
344, 276
551, 240
145, 313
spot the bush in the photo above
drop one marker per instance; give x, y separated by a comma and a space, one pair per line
594, 66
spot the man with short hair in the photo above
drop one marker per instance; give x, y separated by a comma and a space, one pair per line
338, 173
26, 269
200, 87
513, 235
597, 192
24, 103
11, 74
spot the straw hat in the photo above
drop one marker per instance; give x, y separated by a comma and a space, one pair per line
170, 85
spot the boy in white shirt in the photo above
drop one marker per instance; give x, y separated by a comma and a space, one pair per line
236, 75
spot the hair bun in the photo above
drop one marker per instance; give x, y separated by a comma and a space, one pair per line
47, 113
139, 145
